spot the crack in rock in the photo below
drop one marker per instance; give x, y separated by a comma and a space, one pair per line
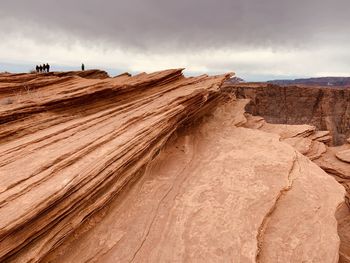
267, 217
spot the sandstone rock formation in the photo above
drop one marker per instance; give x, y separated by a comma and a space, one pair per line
158, 168
21, 77
217, 193
333, 160
343, 218
339, 168
326, 108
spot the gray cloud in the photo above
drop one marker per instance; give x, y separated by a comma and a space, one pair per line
259, 39
187, 24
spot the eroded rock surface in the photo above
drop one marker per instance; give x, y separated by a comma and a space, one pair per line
68, 152
127, 169
334, 160
217, 192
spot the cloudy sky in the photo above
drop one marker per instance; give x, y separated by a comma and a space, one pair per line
257, 39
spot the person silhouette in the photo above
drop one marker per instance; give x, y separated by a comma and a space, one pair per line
44, 67
47, 67
82, 67
40, 68
37, 69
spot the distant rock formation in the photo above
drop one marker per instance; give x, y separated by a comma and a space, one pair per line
234, 80
325, 108
322, 81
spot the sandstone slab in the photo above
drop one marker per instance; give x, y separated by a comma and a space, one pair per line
344, 155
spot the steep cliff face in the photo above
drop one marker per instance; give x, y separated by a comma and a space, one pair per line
324, 107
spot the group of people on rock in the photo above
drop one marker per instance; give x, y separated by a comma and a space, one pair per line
46, 68
42, 68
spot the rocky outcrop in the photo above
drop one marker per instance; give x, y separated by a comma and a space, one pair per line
22, 77
344, 155
81, 142
158, 168
334, 160
16, 87
217, 192
325, 108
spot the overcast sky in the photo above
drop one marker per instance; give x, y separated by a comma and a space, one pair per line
257, 39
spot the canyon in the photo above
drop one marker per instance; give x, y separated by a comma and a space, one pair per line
327, 108
165, 168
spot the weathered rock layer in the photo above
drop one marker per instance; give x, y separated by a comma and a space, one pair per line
70, 150
157, 168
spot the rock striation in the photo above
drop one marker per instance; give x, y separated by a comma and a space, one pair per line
218, 191
65, 153
158, 168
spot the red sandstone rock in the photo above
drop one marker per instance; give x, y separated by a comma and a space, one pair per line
84, 140
333, 164
344, 155
343, 218
128, 169
214, 194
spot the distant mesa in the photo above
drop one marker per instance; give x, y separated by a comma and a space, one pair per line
322, 81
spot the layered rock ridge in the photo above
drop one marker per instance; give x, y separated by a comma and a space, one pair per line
66, 152
158, 168
218, 191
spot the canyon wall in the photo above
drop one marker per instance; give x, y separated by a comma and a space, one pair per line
324, 107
